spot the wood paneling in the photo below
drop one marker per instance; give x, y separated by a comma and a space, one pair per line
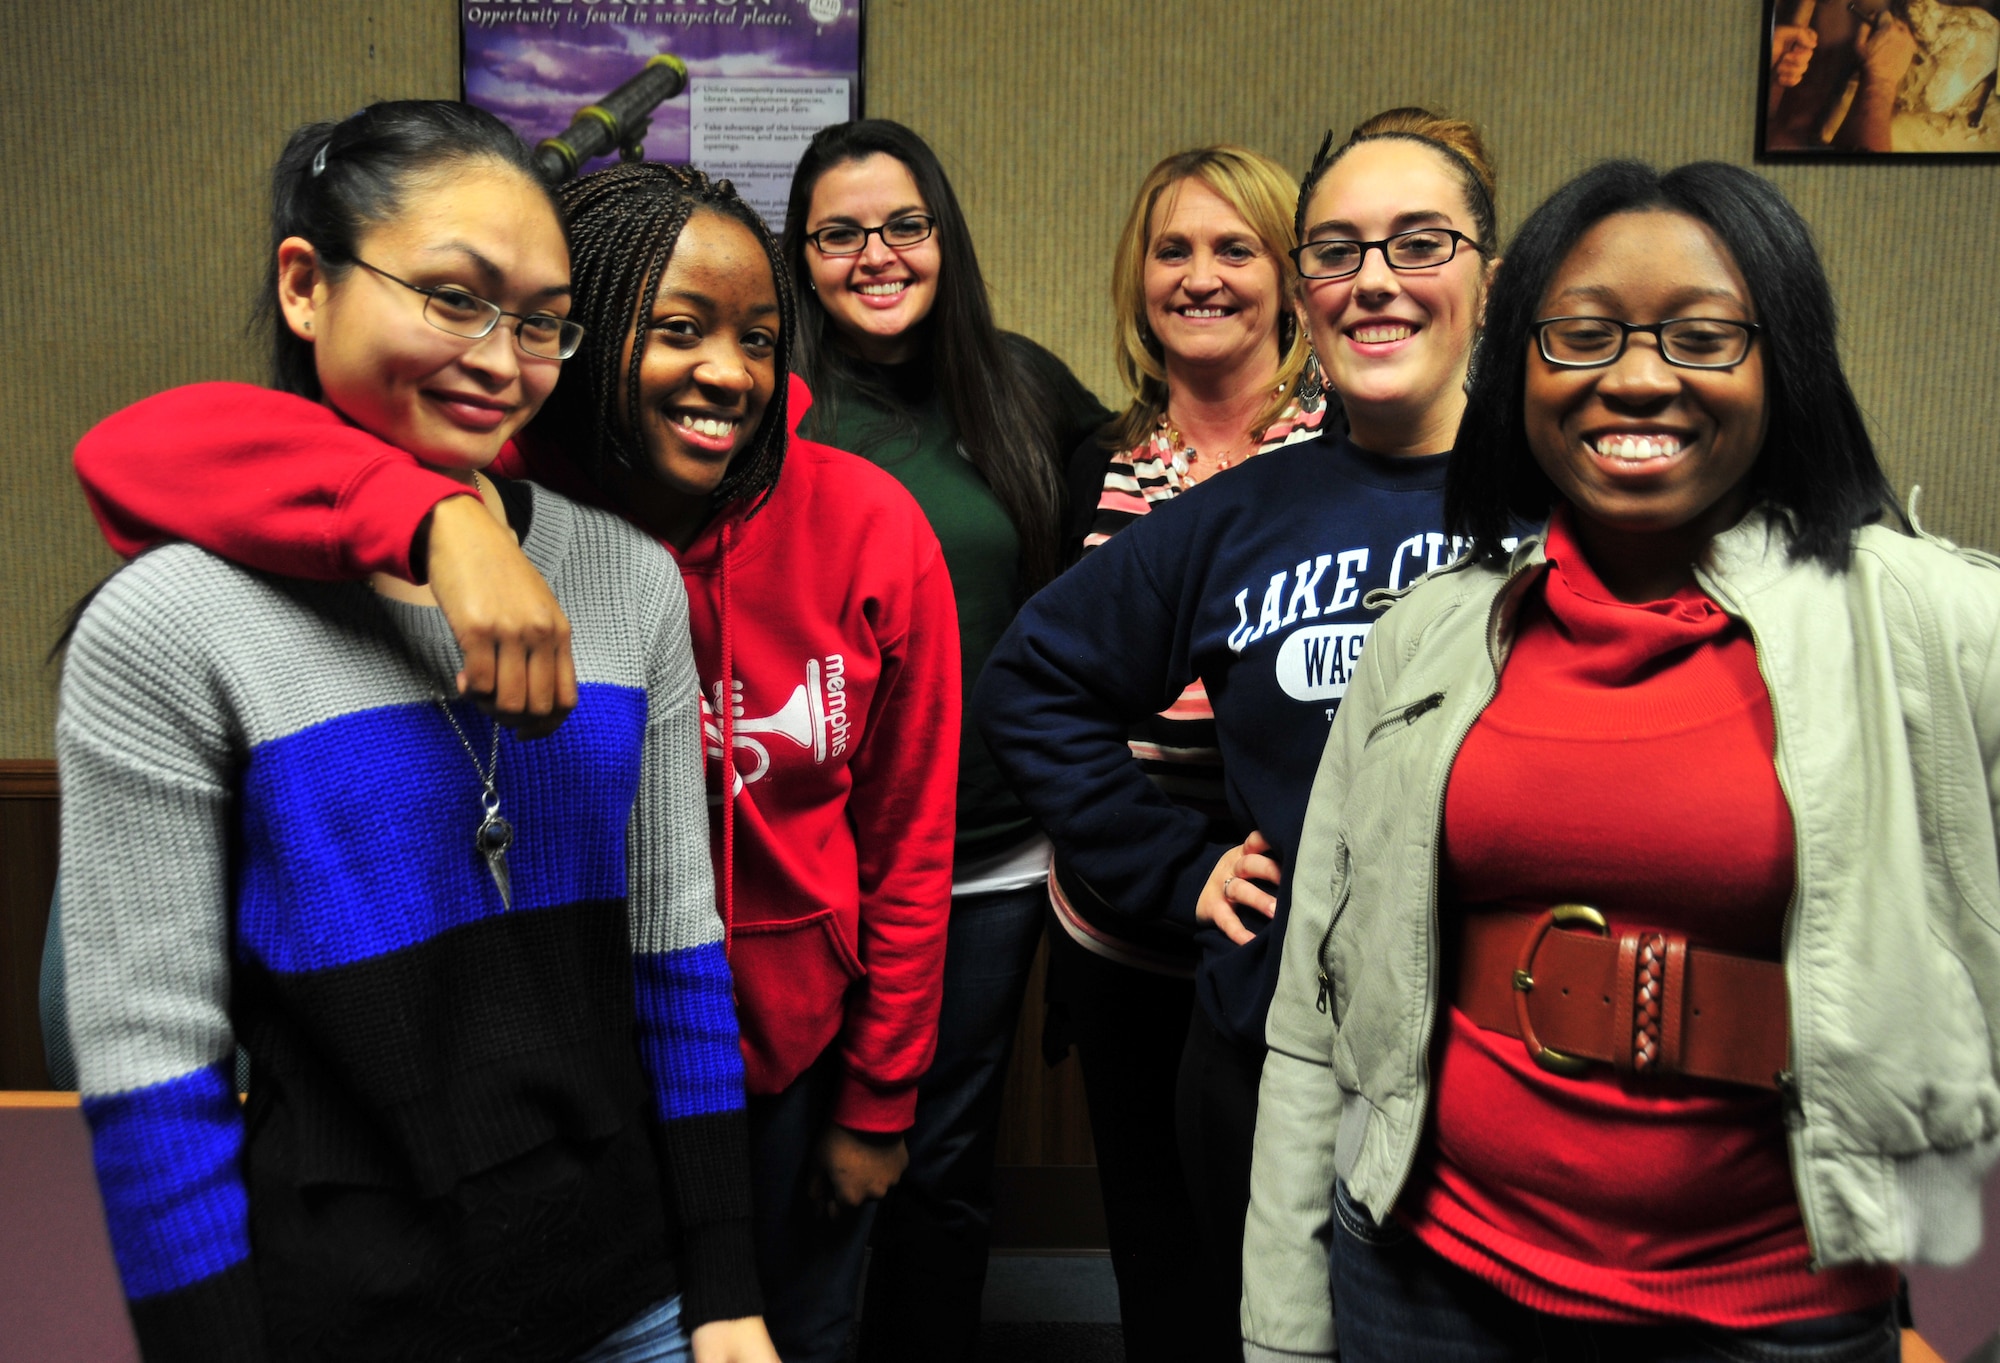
1045, 1193
29, 837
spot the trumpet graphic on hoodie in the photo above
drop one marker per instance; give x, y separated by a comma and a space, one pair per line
814, 719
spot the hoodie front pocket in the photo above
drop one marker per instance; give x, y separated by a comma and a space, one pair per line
792, 979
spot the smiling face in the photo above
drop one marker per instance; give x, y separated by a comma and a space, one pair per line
710, 363
451, 402
1211, 285
874, 298
1654, 457
1394, 343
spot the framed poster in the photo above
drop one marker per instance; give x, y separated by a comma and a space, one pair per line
762, 77
1879, 78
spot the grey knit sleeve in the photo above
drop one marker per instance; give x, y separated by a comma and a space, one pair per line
145, 743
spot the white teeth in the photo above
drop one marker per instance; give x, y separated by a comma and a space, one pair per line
1638, 447
713, 427
1202, 312
1377, 335
882, 290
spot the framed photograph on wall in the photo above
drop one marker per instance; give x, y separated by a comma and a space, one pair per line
760, 76
1872, 78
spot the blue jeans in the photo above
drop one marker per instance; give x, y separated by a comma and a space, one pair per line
929, 1267
653, 1336
1395, 1300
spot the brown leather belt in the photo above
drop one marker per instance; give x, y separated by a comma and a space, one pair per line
1645, 1002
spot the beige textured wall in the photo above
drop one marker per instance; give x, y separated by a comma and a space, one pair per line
132, 244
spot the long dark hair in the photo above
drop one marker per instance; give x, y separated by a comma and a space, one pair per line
1817, 467
334, 181
1000, 419
624, 223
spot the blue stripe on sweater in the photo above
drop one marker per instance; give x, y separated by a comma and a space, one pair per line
169, 1166
687, 1031
358, 832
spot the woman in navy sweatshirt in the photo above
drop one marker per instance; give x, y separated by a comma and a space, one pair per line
1253, 583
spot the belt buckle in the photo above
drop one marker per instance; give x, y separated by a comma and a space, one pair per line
1562, 915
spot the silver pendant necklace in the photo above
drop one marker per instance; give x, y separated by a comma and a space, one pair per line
495, 834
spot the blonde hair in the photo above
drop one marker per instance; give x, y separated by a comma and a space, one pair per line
1262, 192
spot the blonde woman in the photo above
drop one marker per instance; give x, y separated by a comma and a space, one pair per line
1253, 586
1211, 355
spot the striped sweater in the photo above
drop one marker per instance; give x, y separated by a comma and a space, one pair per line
473, 1131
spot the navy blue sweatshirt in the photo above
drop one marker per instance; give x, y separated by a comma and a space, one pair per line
1252, 582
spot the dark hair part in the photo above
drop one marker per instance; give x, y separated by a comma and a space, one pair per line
1003, 423
1817, 466
334, 181
624, 224
1455, 139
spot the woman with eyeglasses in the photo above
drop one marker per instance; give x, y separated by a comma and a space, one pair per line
1253, 585
1643, 974
496, 1101
824, 635
910, 372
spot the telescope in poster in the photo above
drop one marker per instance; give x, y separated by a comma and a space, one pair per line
616, 122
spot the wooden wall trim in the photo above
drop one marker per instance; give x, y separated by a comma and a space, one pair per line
39, 1098
27, 778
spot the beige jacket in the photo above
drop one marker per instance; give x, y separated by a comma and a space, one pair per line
1885, 687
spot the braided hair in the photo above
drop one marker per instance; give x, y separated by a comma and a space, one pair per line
624, 223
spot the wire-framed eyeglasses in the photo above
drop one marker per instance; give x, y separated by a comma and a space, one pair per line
1422, 248
848, 239
458, 313
1689, 342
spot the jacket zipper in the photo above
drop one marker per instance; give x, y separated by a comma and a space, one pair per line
1408, 715
1407, 1159
1790, 1090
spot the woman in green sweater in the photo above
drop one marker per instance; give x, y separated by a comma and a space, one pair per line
909, 371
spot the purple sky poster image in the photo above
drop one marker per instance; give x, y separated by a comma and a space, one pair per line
763, 75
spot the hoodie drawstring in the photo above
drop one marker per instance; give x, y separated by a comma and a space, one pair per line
728, 775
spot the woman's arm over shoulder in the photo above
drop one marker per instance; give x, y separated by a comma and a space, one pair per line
904, 810
263, 478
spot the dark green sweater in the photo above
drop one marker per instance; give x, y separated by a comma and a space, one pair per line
916, 443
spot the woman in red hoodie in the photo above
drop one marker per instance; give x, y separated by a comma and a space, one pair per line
824, 632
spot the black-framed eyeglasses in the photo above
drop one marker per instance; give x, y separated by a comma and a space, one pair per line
846, 239
1422, 248
458, 313
1689, 342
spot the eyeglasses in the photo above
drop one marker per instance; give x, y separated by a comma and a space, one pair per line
1689, 342
844, 239
458, 313
1422, 249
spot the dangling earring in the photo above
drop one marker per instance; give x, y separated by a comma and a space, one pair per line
1471, 364
1312, 383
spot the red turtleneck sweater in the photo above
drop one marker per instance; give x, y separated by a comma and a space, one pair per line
1626, 762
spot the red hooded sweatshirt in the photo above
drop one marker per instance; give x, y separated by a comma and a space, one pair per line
826, 614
